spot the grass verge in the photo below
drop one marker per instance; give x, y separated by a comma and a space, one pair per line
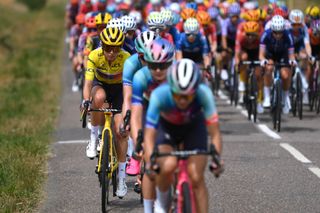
31, 44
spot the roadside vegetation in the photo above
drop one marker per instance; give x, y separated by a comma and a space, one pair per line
31, 42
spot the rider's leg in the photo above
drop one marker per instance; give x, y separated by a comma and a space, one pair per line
286, 74
242, 77
267, 83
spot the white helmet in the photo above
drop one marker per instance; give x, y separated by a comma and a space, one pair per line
198, 1
136, 15
277, 23
191, 25
184, 77
144, 39
155, 20
296, 17
167, 16
175, 7
155, 2
129, 22
117, 22
251, 5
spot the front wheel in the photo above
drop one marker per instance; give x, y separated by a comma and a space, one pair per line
186, 205
104, 171
299, 103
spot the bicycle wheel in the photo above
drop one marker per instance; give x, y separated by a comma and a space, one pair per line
104, 171
299, 96
253, 96
114, 183
235, 88
216, 81
247, 100
186, 205
278, 105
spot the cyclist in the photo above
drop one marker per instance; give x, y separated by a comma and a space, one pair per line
131, 27
131, 66
86, 7
193, 44
93, 41
100, 6
75, 33
182, 110
156, 23
185, 14
312, 13
282, 13
168, 17
247, 48
229, 30
71, 13
302, 46
103, 81
276, 45
158, 56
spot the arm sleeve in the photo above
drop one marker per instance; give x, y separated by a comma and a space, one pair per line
179, 43
208, 104
128, 72
139, 85
306, 38
91, 67
153, 112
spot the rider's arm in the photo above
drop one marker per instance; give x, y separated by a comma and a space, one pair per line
262, 49
291, 48
205, 51
179, 46
224, 35
89, 76
307, 42
138, 88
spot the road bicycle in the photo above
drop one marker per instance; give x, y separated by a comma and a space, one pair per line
276, 96
107, 160
297, 93
314, 87
251, 91
183, 200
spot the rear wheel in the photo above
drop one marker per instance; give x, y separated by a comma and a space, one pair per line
104, 171
186, 205
254, 95
299, 96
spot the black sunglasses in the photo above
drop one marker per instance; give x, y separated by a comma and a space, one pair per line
161, 66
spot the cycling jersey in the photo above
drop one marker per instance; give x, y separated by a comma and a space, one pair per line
209, 31
131, 66
167, 36
129, 46
99, 68
82, 42
162, 104
314, 38
75, 33
92, 43
142, 85
277, 48
229, 30
175, 34
194, 50
300, 38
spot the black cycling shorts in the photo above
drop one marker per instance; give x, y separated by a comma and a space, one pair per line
193, 135
113, 93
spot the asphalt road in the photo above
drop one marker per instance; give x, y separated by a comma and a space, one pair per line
265, 171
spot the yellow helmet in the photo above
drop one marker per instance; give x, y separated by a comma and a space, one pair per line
313, 11
251, 27
251, 15
112, 36
103, 18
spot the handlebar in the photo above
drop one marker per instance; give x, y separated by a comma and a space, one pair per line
84, 113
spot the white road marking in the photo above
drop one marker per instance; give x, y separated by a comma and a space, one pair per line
264, 128
73, 141
245, 113
293, 151
223, 96
315, 170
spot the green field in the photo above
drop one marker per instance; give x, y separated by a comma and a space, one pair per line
31, 42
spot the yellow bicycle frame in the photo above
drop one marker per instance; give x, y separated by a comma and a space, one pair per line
113, 163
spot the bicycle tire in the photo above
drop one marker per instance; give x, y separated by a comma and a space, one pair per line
186, 205
273, 106
278, 105
299, 96
254, 94
235, 88
105, 182
114, 183
318, 101
312, 93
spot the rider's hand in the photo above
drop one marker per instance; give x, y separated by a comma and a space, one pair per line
293, 62
70, 55
215, 169
85, 104
124, 132
263, 62
312, 59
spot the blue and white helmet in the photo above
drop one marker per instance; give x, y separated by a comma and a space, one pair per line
167, 16
277, 23
129, 22
234, 9
191, 25
213, 12
155, 20
118, 23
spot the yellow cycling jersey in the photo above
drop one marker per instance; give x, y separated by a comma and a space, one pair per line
99, 68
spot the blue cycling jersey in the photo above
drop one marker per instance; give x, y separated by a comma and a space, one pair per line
162, 104
175, 34
130, 67
129, 46
283, 46
200, 44
142, 86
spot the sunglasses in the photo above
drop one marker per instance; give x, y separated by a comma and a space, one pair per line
251, 34
109, 49
191, 34
161, 66
277, 33
178, 97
